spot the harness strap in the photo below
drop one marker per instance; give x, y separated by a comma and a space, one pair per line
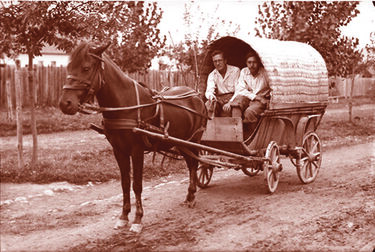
201, 129
175, 97
161, 116
138, 102
96, 57
119, 123
188, 109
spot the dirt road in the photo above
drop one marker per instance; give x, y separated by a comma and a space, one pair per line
336, 212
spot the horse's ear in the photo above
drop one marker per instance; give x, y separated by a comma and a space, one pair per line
99, 50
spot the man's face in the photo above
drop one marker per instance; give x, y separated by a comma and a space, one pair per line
253, 65
219, 62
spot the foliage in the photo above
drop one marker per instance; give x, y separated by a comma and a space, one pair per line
132, 28
25, 27
370, 52
201, 30
317, 24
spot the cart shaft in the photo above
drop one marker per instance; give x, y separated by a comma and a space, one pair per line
185, 143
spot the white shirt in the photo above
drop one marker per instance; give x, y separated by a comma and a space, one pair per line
224, 85
251, 86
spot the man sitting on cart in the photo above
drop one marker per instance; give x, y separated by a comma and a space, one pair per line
252, 92
221, 84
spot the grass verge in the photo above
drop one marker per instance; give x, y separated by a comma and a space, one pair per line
79, 166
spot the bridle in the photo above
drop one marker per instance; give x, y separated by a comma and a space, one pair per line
77, 83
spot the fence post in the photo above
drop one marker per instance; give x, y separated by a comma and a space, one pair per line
19, 96
8, 91
34, 133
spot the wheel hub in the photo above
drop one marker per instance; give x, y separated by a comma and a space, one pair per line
276, 167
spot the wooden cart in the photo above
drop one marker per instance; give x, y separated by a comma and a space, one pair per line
299, 96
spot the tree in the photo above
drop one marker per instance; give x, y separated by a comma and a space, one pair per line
315, 23
201, 30
132, 27
25, 27
370, 51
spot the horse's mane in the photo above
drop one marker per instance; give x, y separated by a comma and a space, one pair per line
78, 54
108, 60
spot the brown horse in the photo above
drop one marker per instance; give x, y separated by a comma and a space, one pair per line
125, 104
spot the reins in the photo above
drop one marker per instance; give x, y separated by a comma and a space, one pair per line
160, 98
125, 123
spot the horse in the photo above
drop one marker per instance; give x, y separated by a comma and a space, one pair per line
126, 104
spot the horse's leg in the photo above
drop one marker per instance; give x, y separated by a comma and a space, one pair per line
192, 165
123, 162
137, 161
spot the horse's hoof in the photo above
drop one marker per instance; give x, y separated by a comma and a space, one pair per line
136, 228
190, 204
121, 223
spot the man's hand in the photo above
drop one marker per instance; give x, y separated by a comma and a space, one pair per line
227, 107
212, 97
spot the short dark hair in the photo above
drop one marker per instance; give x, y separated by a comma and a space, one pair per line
252, 54
216, 52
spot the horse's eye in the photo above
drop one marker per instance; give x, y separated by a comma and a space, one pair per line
86, 69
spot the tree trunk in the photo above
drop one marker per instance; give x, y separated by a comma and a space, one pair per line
34, 133
18, 90
350, 105
8, 90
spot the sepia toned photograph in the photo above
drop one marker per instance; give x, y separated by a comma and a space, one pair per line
234, 125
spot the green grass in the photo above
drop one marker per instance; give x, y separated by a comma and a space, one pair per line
98, 164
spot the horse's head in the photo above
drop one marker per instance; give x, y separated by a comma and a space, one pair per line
84, 77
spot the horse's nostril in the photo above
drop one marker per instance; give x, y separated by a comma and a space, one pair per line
65, 104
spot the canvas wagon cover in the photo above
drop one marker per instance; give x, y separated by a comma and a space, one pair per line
297, 72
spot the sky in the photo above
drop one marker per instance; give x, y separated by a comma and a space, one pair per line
243, 13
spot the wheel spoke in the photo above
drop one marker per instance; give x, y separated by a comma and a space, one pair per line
200, 175
310, 170
316, 154
306, 169
305, 151
307, 145
314, 146
271, 180
274, 175
315, 164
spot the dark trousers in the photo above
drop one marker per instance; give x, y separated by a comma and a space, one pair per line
250, 109
217, 106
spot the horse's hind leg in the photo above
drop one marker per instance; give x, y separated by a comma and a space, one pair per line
192, 165
123, 162
137, 161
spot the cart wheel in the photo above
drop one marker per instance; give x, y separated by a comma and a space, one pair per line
204, 175
251, 171
272, 166
311, 158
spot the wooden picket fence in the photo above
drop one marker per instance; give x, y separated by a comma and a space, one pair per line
362, 87
49, 80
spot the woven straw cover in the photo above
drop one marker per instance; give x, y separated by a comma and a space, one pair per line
297, 72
